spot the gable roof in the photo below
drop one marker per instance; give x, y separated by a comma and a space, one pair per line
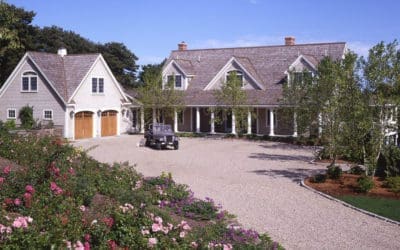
266, 64
64, 73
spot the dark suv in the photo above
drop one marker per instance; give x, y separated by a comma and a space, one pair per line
160, 136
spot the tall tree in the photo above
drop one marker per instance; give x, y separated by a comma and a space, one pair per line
381, 72
164, 99
232, 98
121, 61
16, 36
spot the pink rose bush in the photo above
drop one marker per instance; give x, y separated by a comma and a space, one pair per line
79, 203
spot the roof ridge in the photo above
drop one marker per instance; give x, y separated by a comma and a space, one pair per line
262, 46
68, 55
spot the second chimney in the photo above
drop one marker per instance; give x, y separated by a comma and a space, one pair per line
290, 41
62, 52
182, 46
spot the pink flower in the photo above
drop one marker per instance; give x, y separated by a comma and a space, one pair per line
68, 244
170, 226
4, 229
194, 244
82, 208
186, 227
56, 189
17, 202
79, 246
112, 244
158, 219
156, 227
86, 246
29, 189
2, 179
6, 170
109, 221
152, 242
182, 234
145, 232
87, 237
227, 247
71, 171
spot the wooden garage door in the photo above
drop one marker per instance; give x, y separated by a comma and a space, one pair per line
108, 123
83, 125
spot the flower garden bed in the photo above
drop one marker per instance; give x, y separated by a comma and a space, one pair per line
55, 196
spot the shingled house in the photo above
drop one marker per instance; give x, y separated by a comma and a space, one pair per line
76, 93
263, 71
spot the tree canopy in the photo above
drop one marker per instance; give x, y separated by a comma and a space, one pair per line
18, 35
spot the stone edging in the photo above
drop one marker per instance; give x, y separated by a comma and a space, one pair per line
348, 205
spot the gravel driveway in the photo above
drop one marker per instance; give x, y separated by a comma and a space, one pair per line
259, 182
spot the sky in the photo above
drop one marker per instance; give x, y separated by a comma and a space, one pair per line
152, 28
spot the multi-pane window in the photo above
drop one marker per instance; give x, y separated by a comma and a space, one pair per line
176, 79
29, 82
48, 114
301, 77
98, 85
11, 114
237, 74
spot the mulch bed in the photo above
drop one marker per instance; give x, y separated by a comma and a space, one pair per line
347, 185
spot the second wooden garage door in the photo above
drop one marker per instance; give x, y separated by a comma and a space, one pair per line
109, 123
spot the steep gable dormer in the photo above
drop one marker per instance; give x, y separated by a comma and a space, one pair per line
234, 64
173, 72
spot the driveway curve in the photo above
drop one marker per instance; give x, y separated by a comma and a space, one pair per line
259, 182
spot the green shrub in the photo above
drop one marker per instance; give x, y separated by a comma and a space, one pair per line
389, 162
10, 125
365, 184
200, 210
334, 172
26, 117
356, 170
393, 183
319, 178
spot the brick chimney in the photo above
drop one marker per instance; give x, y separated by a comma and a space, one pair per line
182, 46
290, 40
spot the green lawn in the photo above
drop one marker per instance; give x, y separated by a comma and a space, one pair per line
389, 208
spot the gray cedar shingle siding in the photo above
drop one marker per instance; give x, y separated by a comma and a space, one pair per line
266, 64
45, 98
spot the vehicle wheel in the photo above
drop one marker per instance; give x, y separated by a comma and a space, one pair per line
176, 145
158, 146
147, 143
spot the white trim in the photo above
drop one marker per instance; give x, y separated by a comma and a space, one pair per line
176, 65
297, 61
11, 118
114, 80
225, 69
44, 115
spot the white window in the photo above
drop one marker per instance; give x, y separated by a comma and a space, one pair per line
11, 114
238, 74
97, 85
176, 79
29, 82
47, 114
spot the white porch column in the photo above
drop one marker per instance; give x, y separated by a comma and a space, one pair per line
154, 116
233, 123
319, 125
175, 121
212, 122
294, 124
142, 120
249, 122
197, 120
271, 122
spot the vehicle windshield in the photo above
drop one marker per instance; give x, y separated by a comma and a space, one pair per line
162, 128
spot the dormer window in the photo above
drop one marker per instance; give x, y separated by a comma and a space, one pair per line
176, 79
29, 82
237, 74
301, 77
97, 85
